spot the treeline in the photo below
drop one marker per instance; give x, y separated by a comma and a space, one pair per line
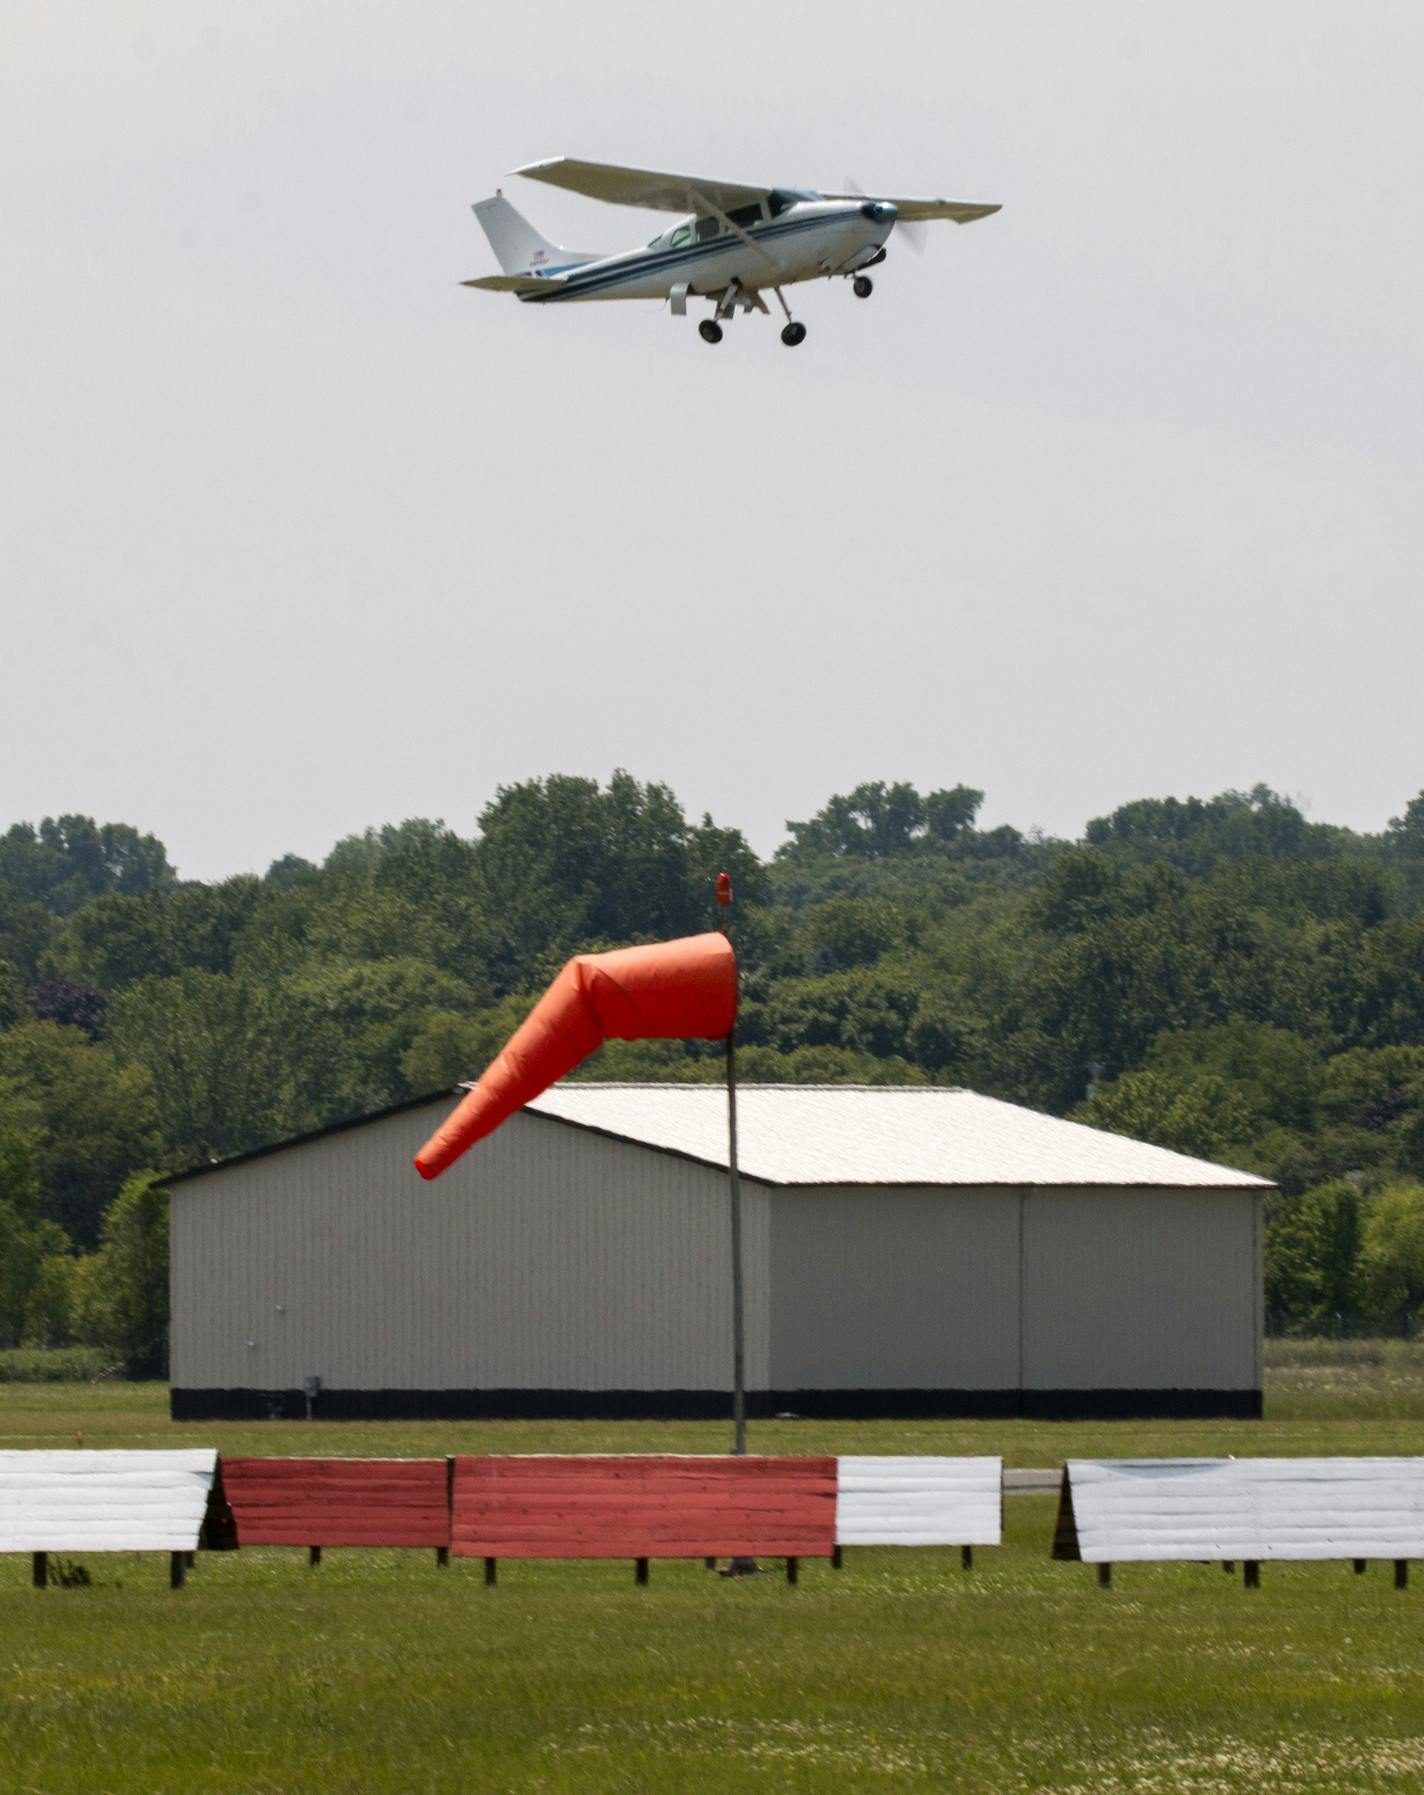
1222, 976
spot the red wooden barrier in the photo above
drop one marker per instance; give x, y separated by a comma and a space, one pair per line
632, 1507
339, 1501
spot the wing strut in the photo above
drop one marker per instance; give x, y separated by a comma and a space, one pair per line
700, 203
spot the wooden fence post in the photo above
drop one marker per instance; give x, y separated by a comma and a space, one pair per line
1401, 1573
177, 1569
640, 1570
1251, 1570
490, 1572
966, 1558
1104, 1576
313, 1554
39, 1569
793, 1570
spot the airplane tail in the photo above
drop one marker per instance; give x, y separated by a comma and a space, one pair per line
520, 248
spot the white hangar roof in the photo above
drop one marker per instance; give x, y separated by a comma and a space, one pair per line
878, 1134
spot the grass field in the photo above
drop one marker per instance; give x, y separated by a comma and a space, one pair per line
378, 1674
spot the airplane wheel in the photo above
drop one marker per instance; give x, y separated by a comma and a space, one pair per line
862, 286
793, 334
710, 330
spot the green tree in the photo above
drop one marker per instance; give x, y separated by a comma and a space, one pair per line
450, 1047
96, 1115
878, 821
1392, 1249
566, 867
1198, 1113
1273, 1071
221, 1053
13, 997
71, 859
27, 1240
1195, 833
25, 932
845, 932
1372, 1111
1312, 1254
49, 1305
1405, 835
130, 1277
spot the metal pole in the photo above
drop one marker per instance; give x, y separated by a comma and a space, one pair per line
739, 1567
739, 1353
739, 1356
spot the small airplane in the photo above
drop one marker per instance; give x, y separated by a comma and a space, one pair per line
733, 244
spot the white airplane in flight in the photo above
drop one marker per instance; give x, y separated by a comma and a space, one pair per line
734, 243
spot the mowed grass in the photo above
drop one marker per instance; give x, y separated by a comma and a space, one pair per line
378, 1674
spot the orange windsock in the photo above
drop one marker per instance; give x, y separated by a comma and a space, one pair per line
676, 989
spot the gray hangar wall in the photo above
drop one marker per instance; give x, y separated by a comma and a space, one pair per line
557, 1271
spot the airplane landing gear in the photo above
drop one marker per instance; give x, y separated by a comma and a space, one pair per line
710, 330
794, 333
862, 286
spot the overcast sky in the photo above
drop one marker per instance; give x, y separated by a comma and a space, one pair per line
1114, 494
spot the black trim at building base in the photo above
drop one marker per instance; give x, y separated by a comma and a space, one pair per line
714, 1405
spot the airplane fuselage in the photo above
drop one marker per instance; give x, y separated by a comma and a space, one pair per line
792, 239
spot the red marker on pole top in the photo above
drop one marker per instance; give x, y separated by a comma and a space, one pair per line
724, 888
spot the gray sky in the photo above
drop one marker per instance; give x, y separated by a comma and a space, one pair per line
1114, 494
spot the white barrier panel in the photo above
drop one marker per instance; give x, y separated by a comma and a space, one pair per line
919, 1501
104, 1501
1126, 1510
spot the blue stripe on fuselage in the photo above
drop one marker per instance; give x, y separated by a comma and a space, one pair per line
652, 263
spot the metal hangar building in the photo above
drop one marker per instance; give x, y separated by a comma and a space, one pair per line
909, 1252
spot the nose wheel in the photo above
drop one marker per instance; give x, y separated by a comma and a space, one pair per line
710, 330
862, 286
793, 335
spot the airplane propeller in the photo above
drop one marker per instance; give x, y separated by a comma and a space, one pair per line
910, 231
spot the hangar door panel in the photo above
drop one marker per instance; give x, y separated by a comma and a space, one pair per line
1140, 1290
894, 1290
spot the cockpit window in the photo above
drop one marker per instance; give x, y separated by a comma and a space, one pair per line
746, 216
656, 240
683, 234
706, 229
777, 202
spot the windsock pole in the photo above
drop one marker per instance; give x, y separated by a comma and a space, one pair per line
739, 1350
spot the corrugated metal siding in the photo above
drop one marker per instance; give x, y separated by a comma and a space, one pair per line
547, 1259
1251, 1508
911, 1135
919, 1501
1141, 1290
552, 1258
105, 1501
894, 1290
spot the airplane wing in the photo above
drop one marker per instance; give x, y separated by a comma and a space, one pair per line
659, 191
516, 283
914, 211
